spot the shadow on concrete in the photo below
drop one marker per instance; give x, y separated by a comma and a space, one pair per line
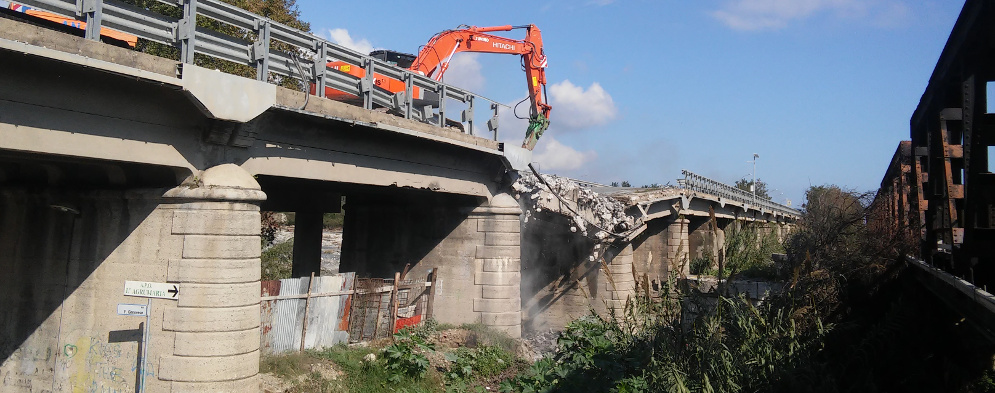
556, 266
59, 221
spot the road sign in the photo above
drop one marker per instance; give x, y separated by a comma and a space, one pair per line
151, 289
138, 310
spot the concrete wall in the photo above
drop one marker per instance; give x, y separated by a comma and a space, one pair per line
474, 246
560, 279
64, 276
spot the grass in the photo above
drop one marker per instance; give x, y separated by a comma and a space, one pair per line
482, 361
361, 376
300, 371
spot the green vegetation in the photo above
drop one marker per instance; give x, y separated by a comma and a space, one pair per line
305, 372
283, 11
418, 359
761, 189
733, 347
277, 261
748, 253
333, 220
405, 358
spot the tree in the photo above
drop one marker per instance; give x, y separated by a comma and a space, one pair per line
744, 184
282, 11
625, 183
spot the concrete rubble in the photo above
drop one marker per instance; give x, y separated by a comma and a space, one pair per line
589, 211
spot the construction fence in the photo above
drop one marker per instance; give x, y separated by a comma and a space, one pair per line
319, 312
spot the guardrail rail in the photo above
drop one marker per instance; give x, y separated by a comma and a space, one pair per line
306, 60
698, 183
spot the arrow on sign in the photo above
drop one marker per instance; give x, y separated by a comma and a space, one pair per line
175, 291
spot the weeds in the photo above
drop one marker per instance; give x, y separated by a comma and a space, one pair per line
406, 356
277, 261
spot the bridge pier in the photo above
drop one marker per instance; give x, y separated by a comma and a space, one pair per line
474, 246
617, 281
678, 247
308, 227
67, 255
215, 322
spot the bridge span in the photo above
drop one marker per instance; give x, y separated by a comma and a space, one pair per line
116, 165
938, 187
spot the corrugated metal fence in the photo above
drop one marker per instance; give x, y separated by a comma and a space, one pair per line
339, 309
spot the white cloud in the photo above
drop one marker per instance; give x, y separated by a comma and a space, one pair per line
575, 107
555, 156
777, 14
342, 37
464, 71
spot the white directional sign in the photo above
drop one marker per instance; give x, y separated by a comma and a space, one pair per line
138, 310
151, 289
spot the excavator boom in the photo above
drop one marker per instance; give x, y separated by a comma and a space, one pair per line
433, 61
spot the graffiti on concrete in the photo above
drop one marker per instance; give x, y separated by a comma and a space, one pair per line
94, 366
28, 369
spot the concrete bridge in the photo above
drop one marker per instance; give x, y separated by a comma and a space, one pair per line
119, 166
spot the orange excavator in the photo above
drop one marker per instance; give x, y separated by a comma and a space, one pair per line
433, 61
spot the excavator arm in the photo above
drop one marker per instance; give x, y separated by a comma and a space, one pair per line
433, 61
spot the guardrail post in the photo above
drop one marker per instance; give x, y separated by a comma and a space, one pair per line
186, 31
468, 115
260, 50
93, 12
320, 66
492, 124
366, 84
442, 105
409, 91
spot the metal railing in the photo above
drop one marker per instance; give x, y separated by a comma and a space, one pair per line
306, 61
698, 183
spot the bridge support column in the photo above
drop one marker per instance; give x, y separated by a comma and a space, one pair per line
497, 265
308, 226
678, 246
617, 281
215, 322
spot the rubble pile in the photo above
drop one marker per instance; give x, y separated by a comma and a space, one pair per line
603, 212
543, 342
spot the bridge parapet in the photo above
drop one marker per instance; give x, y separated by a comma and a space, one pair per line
697, 183
303, 57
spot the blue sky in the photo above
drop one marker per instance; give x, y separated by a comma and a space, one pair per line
822, 90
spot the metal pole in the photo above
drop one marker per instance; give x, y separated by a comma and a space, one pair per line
753, 187
145, 342
307, 304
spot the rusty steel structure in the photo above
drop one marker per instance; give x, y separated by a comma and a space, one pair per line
952, 191
892, 207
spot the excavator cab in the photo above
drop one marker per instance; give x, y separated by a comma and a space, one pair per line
399, 59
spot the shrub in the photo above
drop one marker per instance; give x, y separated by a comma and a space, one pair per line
277, 261
484, 361
406, 356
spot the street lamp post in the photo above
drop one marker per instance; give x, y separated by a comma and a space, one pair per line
753, 186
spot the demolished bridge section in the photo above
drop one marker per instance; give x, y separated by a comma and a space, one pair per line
587, 248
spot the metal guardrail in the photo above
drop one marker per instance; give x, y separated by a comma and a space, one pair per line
184, 34
698, 183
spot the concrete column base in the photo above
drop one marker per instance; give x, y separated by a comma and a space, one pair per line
618, 282
678, 247
216, 320
497, 265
